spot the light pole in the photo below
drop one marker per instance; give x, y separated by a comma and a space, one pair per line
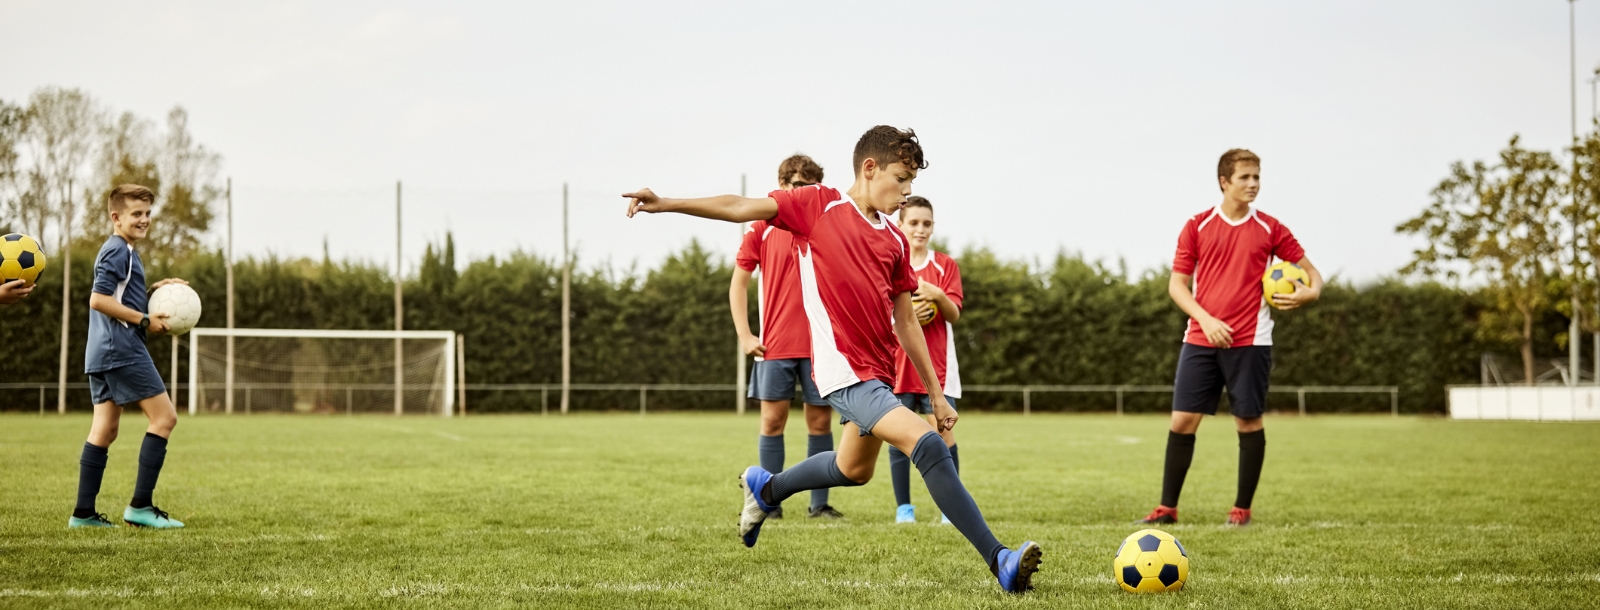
1573, 335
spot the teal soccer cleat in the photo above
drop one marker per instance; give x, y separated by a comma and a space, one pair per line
98, 520
1016, 568
150, 517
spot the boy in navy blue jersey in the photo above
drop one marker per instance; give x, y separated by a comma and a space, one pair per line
120, 369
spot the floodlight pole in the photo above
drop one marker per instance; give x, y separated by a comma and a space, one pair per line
566, 308
1573, 332
738, 351
228, 376
399, 311
66, 300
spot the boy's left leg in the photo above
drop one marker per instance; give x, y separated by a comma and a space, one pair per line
163, 417
819, 425
1247, 370
92, 463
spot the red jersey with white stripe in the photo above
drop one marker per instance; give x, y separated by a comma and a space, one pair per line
851, 268
1227, 259
942, 271
783, 314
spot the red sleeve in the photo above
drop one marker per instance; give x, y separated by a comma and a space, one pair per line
901, 277
749, 256
1188, 250
1285, 246
952, 282
799, 209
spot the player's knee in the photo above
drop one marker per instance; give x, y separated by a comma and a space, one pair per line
164, 423
861, 474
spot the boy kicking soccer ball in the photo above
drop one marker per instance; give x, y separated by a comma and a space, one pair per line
1222, 253
937, 304
120, 370
857, 282
783, 351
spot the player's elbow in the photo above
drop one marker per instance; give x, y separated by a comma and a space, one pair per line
98, 302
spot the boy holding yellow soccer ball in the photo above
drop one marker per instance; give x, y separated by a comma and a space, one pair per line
121, 372
1217, 279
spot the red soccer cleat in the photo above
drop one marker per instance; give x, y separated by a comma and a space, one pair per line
1162, 515
1239, 516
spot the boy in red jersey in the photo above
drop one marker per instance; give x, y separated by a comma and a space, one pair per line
857, 283
783, 351
1222, 253
937, 304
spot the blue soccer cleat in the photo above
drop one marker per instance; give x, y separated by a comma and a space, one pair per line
150, 517
905, 513
755, 511
1016, 568
96, 520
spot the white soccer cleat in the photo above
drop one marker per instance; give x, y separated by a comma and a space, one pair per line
754, 513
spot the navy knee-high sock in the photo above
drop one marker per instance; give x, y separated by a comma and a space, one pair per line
819, 471
900, 475
955, 457
938, 471
1180, 453
152, 454
818, 443
769, 450
91, 469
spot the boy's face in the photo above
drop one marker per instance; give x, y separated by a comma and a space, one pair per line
887, 185
917, 224
1244, 185
133, 222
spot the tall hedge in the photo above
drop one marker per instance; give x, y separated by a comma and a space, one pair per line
1066, 321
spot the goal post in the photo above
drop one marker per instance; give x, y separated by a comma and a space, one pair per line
321, 371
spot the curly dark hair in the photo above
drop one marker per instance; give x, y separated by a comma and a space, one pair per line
886, 144
799, 164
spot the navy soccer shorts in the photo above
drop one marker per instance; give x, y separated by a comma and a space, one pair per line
919, 403
1203, 372
126, 385
775, 380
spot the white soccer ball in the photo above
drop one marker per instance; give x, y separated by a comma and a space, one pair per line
180, 303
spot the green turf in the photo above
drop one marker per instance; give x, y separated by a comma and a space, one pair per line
624, 511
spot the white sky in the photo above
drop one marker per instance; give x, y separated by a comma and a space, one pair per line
1087, 126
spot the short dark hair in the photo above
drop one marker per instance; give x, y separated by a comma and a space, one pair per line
916, 201
1237, 156
886, 144
117, 201
799, 164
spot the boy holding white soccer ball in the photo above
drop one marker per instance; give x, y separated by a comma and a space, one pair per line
120, 369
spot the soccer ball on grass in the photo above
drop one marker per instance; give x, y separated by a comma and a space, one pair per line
180, 303
1151, 561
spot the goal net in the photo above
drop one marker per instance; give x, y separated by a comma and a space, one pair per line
322, 371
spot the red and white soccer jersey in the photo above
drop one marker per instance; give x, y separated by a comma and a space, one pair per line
940, 270
783, 314
850, 270
1227, 259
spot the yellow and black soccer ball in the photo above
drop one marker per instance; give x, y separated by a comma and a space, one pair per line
1151, 561
1280, 279
20, 259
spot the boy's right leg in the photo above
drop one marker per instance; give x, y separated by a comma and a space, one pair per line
1195, 394
769, 444
92, 465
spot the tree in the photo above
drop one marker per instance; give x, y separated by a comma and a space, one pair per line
1502, 222
188, 171
1583, 190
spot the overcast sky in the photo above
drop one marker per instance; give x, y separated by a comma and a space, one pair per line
1092, 127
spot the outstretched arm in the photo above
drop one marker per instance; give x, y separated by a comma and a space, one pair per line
916, 348
731, 208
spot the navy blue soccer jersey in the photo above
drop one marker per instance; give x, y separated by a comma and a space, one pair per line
119, 274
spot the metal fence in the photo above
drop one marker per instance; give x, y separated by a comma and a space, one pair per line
644, 390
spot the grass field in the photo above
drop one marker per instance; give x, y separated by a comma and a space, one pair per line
624, 511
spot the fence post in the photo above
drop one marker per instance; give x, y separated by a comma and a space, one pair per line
247, 400
1394, 402
1302, 393
41, 399
1027, 408
347, 401
641, 400
1119, 402
544, 401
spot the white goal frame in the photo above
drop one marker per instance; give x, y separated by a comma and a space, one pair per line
448, 336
